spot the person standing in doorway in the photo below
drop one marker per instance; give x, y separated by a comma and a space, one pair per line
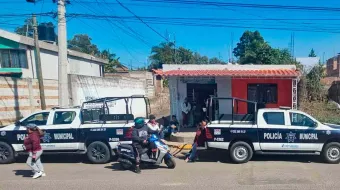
186, 108
33, 147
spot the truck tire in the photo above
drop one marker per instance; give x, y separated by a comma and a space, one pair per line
240, 152
98, 153
6, 153
331, 153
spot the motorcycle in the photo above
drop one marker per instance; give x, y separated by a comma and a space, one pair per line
126, 155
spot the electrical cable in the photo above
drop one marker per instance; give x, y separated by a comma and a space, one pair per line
141, 20
114, 25
214, 23
244, 5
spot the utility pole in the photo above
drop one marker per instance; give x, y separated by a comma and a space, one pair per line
26, 30
38, 64
62, 56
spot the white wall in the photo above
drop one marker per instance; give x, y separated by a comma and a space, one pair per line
178, 91
80, 66
86, 88
49, 64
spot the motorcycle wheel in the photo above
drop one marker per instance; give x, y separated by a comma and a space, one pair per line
170, 162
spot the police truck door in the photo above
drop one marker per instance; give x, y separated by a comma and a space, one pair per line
271, 129
19, 133
61, 131
305, 129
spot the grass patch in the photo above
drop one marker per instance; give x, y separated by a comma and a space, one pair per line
325, 112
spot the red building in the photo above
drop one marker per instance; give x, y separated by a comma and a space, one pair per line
272, 85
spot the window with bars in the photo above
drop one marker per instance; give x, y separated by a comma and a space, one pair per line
13, 58
262, 93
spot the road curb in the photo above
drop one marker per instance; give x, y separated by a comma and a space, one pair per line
182, 146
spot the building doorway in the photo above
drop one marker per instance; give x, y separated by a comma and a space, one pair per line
197, 95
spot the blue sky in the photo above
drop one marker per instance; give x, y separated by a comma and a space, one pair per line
210, 41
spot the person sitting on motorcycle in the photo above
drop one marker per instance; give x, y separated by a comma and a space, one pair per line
140, 134
154, 128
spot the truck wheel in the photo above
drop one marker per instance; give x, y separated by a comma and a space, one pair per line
98, 153
331, 153
6, 153
241, 152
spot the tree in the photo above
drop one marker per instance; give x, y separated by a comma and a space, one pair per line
252, 49
26, 29
312, 53
82, 43
165, 53
314, 85
216, 60
162, 54
113, 61
198, 59
184, 56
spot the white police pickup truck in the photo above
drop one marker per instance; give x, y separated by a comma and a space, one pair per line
94, 130
274, 131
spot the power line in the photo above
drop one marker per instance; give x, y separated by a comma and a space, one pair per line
122, 29
244, 5
121, 21
202, 18
42, 6
141, 20
113, 24
27, 14
213, 22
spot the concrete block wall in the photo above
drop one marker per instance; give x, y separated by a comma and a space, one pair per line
83, 88
145, 76
20, 97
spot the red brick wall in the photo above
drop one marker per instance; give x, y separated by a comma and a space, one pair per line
332, 67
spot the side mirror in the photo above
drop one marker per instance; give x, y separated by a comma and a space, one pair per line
18, 123
315, 124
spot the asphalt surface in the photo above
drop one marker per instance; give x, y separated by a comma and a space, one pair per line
210, 172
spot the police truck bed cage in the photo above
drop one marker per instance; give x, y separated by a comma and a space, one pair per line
214, 109
103, 110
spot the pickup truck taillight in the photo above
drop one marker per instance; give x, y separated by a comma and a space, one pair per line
128, 134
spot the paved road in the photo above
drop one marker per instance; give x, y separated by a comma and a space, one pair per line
70, 172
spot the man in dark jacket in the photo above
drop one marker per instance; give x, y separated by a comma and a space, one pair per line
202, 135
139, 139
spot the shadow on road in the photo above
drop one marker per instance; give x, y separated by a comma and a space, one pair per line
117, 167
61, 158
23, 173
223, 157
